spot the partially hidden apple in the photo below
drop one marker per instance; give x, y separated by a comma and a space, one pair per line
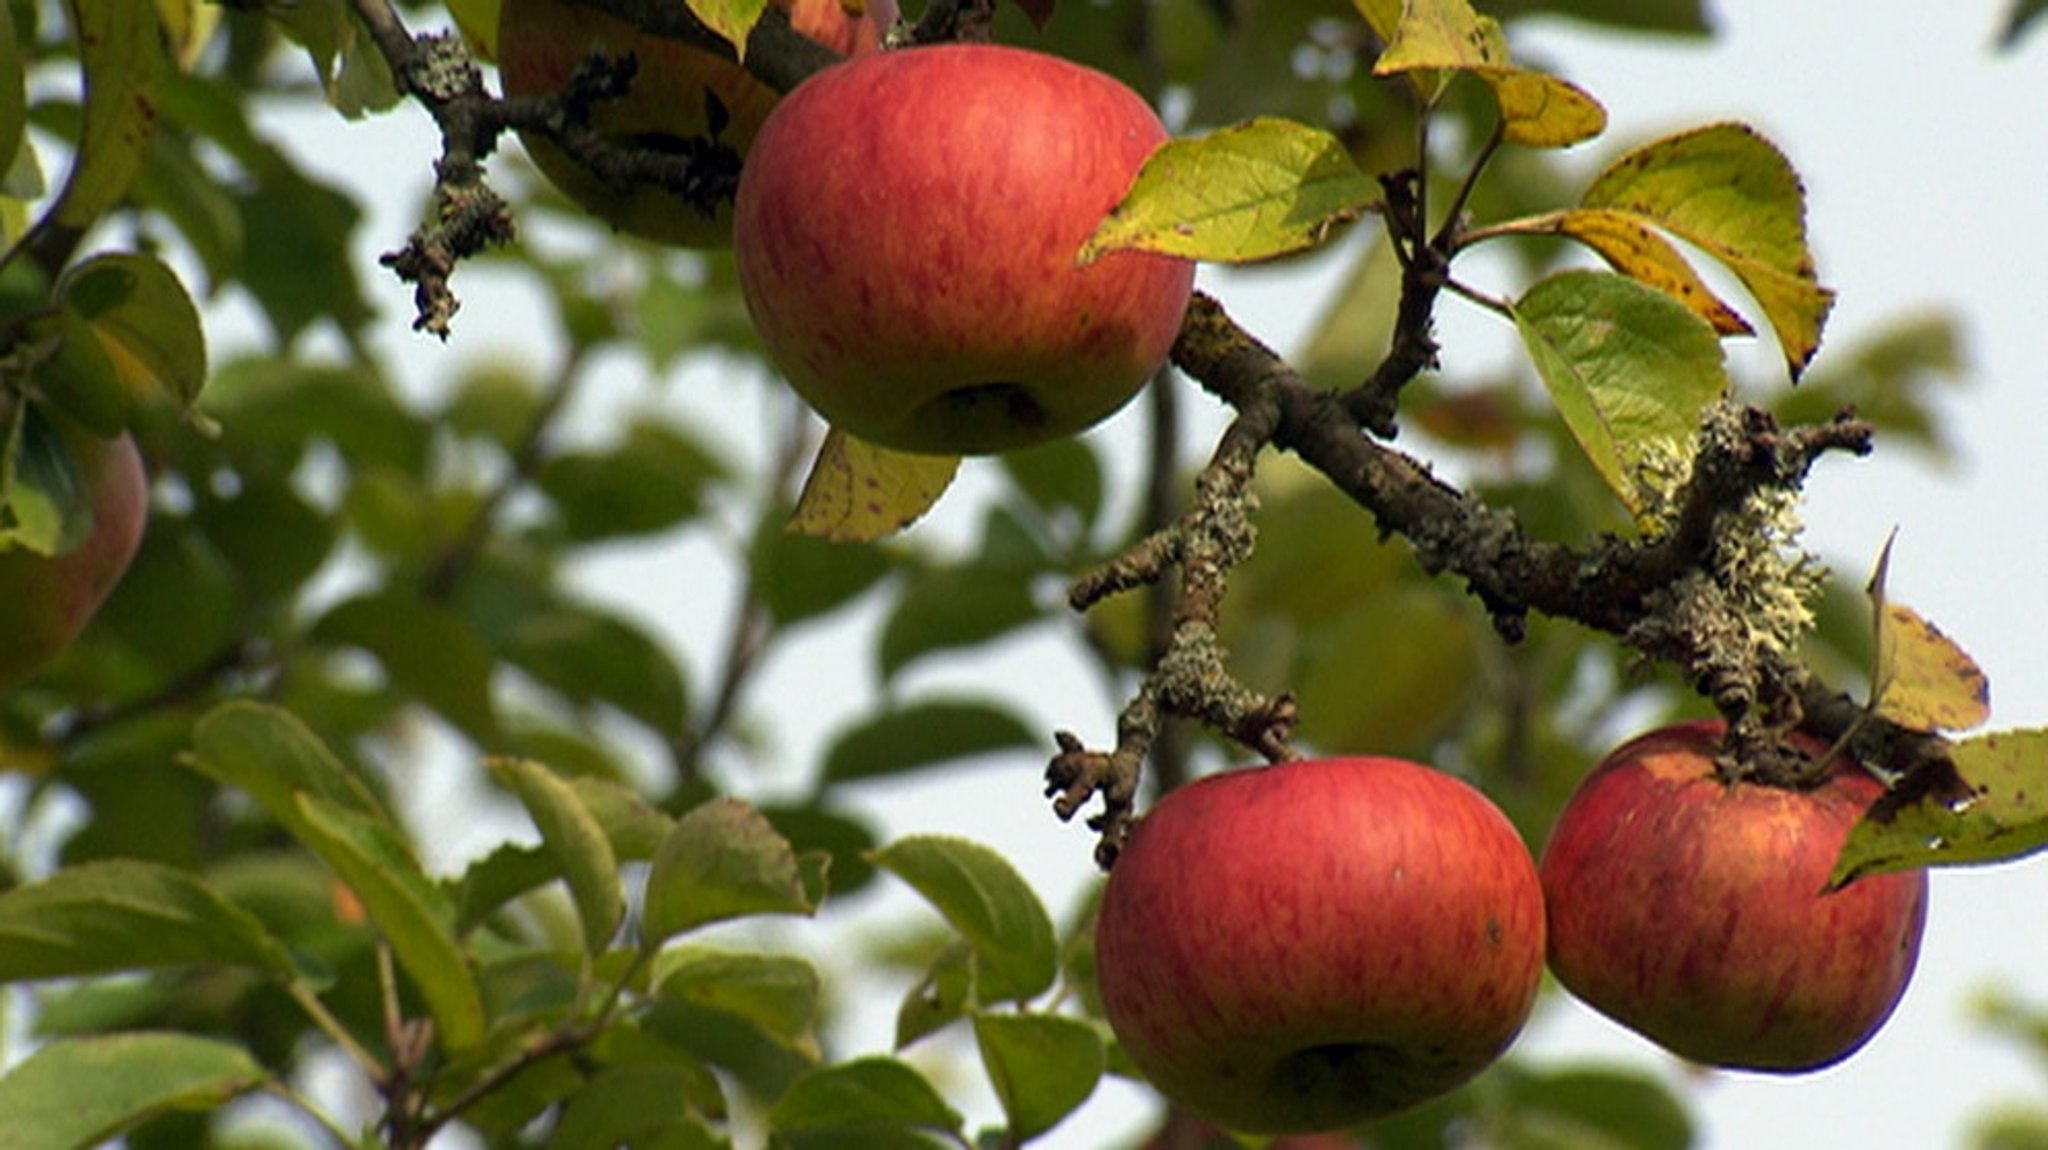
906, 234
1312, 945
675, 86
1693, 912
46, 600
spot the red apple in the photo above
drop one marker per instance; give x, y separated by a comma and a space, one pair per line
1313, 945
1693, 912
540, 43
906, 234
45, 601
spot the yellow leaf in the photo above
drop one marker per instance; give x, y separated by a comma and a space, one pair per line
1538, 110
1383, 16
1923, 680
1439, 38
1635, 249
1928, 682
1731, 193
857, 492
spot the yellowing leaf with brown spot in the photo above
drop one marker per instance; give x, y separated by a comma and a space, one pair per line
1635, 249
1922, 680
1438, 38
858, 492
1928, 683
1730, 192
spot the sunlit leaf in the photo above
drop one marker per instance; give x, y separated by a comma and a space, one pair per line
1435, 39
858, 492
2006, 818
986, 900
1635, 249
97, 918
1249, 192
1630, 368
81, 1092
1042, 1066
732, 19
1923, 680
1730, 192
578, 843
723, 860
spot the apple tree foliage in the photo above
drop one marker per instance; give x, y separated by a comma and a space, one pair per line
361, 570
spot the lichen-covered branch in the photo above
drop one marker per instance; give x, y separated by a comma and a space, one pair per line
1656, 593
1191, 678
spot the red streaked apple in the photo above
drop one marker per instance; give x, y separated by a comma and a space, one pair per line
1312, 945
1693, 912
46, 600
541, 42
906, 234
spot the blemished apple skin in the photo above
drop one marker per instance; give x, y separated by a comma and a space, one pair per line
1693, 912
45, 601
906, 233
1312, 945
541, 42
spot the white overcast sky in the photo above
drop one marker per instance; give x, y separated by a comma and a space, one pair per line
1924, 158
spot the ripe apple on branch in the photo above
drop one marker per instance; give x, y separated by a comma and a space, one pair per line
934, 294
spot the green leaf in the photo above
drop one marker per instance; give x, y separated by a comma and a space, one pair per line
2021, 16
1248, 192
723, 860
778, 994
578, 843
987, 901
651, 481
1426, 671
946, 608
1630, 369
97, 918
122, 51
271, 755
275, 405
732, 19
1043, 1066
943, 995
861, 1095
13, 97
144, 321
925, 734
1730, 192
428, 650
858, 492
413, 914
1593, 1107
77, 376
1064, 474
85, 1091
800, 577
44, 505
2007, 817
591, 656
633, 1106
